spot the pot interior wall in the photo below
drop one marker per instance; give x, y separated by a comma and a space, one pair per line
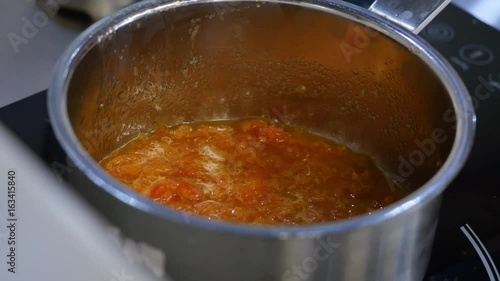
302, 67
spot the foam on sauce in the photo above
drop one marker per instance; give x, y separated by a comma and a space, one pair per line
251, 171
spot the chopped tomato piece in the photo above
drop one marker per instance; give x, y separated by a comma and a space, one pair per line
162, 191
251, 171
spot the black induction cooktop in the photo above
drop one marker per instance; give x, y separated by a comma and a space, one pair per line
467, 245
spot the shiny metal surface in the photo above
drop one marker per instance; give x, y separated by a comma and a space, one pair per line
413, 15
20, 76
370, 84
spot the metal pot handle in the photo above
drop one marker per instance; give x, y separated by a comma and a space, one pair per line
414, 15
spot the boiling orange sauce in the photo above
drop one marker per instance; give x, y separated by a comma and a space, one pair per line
251, 171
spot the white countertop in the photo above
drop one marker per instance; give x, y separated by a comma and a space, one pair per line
48, 233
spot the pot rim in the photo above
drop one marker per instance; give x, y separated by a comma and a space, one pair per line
101, 30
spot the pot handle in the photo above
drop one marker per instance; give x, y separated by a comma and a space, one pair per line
414, 15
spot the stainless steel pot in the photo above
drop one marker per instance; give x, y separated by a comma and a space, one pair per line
331, 67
